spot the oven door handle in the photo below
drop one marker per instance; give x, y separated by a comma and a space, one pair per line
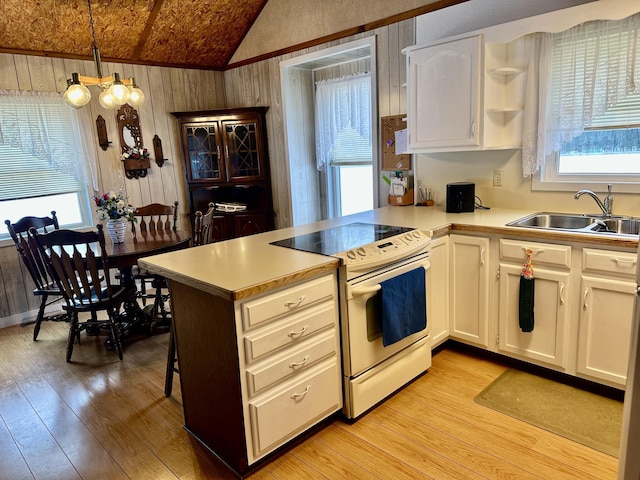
359, 291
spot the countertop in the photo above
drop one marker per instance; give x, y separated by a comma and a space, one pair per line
245, 266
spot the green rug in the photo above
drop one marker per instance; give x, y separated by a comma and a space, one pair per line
581, 416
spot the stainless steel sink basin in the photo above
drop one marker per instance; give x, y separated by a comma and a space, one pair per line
580, 223
621, 226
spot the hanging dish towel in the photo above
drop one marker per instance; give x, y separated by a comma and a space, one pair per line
527, 295
404, 306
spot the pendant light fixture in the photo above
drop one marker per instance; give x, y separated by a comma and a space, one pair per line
115, 92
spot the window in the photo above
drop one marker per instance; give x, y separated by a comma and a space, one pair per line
343, 137
351, 174
42, 164
591, 118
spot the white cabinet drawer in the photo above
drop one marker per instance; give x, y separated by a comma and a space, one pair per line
608, 262
277, 417
292, 330
543, 253
291, 362
286, 301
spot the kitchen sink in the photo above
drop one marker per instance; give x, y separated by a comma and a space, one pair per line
576, 223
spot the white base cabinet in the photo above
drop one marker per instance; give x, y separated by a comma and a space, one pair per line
470, 269
606, 313
290, 361
583, 305
547, 342
438, 291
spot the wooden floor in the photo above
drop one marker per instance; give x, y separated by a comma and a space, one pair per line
99, 418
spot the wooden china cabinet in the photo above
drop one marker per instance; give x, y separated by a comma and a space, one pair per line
226, 161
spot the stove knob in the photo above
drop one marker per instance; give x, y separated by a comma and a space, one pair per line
417, 233
408, 237
362, 252
351, 254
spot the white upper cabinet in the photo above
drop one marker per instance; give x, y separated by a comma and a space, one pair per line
466, 94
443, 95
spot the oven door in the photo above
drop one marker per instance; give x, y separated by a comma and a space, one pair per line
362, 331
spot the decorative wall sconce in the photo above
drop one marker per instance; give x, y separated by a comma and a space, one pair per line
157, 151
101, 126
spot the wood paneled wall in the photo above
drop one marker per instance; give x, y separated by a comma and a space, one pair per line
259, 84
166, 90
169, 90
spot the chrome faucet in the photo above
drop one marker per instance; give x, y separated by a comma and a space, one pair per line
604, 206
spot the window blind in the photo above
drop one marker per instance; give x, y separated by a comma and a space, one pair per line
595, 71
38, 152
24, 176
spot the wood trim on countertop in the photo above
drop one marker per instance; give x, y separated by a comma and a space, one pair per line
551, 235
278, 282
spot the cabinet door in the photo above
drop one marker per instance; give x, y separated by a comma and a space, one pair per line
438, 291
201, 142
606, 317
242, 149
469, 289
251, 223
547, 342
443, 88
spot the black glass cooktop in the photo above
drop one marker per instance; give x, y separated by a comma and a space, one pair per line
342, 238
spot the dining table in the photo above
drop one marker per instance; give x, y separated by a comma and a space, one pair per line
124, 257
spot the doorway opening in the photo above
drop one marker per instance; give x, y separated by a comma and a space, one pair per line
331, 150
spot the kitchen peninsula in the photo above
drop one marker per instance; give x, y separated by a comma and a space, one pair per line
236, 376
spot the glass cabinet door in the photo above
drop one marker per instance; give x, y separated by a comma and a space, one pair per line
242, 152
203, 152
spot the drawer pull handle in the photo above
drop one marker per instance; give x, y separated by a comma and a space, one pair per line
297, 396
295, 303
629, 261
299, 364
299, 333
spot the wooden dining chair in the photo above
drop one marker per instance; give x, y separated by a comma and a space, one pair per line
154, 219
45, 287
203, 226
79, 264
202, 234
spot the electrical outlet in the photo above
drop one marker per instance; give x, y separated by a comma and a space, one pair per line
497, 178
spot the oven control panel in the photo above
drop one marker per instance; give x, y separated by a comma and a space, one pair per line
386, 251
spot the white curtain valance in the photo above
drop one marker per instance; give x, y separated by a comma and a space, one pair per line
42, 125
341, 103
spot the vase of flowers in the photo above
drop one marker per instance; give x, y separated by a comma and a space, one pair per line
113, 207
136, 158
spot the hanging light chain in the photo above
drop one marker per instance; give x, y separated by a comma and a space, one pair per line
93, 32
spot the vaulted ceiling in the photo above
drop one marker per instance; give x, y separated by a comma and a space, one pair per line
182, 33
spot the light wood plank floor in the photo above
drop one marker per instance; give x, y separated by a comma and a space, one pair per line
99, 418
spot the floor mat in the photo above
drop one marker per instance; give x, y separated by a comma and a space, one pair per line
584, 417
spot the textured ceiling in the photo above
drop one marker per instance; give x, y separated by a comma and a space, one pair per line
186, 33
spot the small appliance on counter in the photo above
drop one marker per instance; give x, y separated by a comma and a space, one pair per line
460, 197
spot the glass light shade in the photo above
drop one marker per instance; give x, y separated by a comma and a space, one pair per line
77, 95
137, 97
119, 93
106, 100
